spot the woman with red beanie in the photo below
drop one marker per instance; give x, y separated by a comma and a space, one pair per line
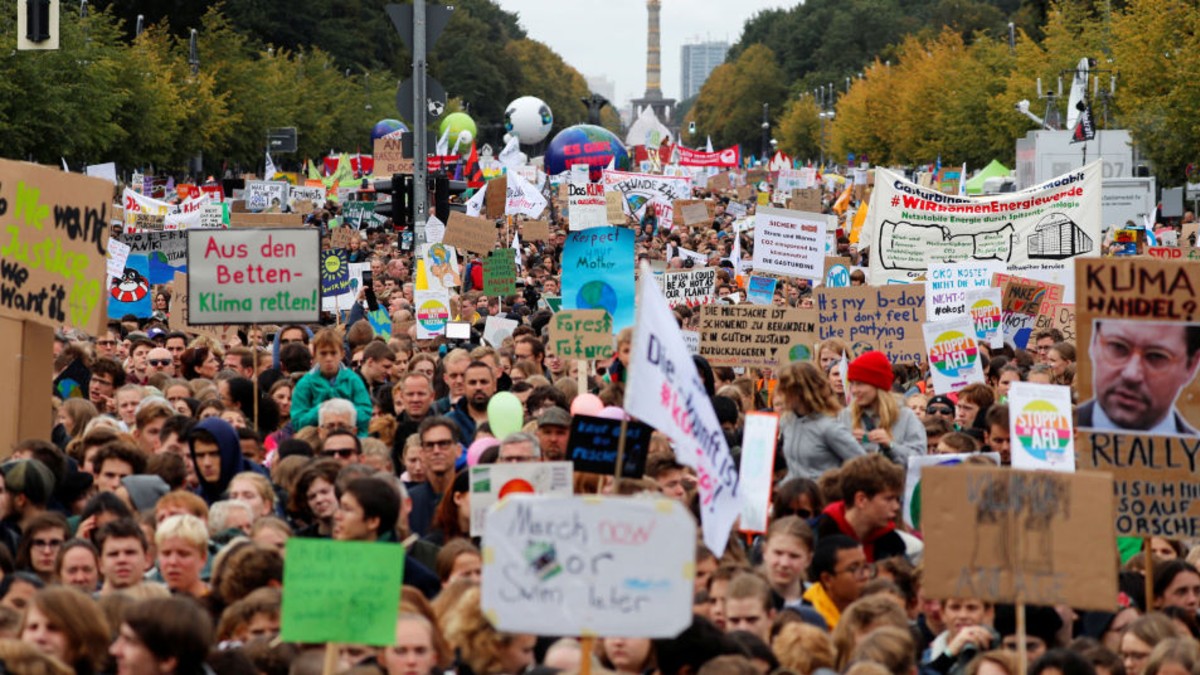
874, 417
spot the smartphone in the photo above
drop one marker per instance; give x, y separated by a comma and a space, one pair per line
368, 280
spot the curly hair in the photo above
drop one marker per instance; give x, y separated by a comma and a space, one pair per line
468, 630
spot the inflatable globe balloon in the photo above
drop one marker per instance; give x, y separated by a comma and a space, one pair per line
387, 128
529, 119
585, 144
461, 128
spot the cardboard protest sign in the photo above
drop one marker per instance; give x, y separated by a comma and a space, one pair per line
497, 329
946, 285
790, 243
1041, 228
614, 208
984, 307
561, 566
496, 197
389, 158
254, 276
718, 183
1062, 317
55, 238
433, 311
886, 318
581, 334
761, 290
257, 220
1136, 324
756, 336
689, 287
757, 471
587, 205
837, 272
1040, 426
178, 317
1001, 535
357, 605
954, 359
693, 212
492, 482
467, 233
536, 230
500, 272
340, 237
593, 444
913, 486
1021, 302
597, 272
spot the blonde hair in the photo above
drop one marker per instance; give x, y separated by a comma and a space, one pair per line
806, 389
885, 404
186, 527
468, 630
24, 658
890, 647
866, 614
803, 648
261, 485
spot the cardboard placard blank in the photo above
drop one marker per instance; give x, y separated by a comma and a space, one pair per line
340, 237
468, 233
694, 213
719, 182
614, 209
535, 230
495, 198
808, 199
250, 220
1001, 535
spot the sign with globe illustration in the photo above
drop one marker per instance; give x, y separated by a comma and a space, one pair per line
598, 272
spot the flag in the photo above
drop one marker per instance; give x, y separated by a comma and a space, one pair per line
269, 169
471, 172
476, 202
516, 246
443, 145
736, 254
665, 389
708, 145
843, 202
66, 169
1151, 235
1085, 129
962, 180
312, 171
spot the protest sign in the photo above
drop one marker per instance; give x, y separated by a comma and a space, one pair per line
718, 183
946, 285
262, 195
1136, 327
587, 205
389, 157
756, 473
356, 605
597, 272
640, 191
837, 272
614, 208
440, 266
500, 272
1040, 426
340, 237
689, 287
562, 566
146, 213
433, 311
335, 272
593, 446
467, 233
178, 317
1041, 228
1001, 535
953, 351
496, 329
1021, 302
807, 199
314, 195
912, 481
213, 215
691, 338
790, 180
886, 318
736, 209
492, 482
790, 243
537, 230
522, 198
118, 254
495, 199
1062, 317
260, 220
756, 336
581, 334
761, 290
984, 307
254, 276
106, 171
130, 292
54, 246
694, 212
344, 300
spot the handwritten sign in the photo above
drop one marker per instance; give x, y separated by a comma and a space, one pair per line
254, 276
389, 158
53, 243
761, 290
693, 212
492, 482
1041, 427
1001, 535
500, 272
589, 566
593, 443
614, 209
837, 272
581, 334
340, 237
587, 205
468, 233
953, 349
946, 285
756, 474
356, 605
756, 336
790, 243
689, 287
886, 318
597, 272
806, 199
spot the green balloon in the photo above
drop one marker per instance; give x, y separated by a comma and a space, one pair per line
505, 413
457, 123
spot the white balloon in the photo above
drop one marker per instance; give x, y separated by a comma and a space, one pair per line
528, 118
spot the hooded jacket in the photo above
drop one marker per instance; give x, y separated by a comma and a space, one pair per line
314, 389
232, 460
880, 543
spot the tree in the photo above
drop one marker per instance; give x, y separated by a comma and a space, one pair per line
545, 75
799, 132
730, 104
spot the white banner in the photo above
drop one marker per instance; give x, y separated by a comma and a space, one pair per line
641, 190
1041, 426
149, 214
666, 391
523, 199
791, 243
1035, 232
587, 205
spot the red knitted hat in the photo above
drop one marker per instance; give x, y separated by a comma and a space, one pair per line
873, 368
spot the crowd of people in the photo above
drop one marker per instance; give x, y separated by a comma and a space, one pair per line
149, 533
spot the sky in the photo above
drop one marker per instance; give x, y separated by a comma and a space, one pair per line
608, 37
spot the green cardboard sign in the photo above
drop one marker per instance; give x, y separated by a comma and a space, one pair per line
500, 272
341, 591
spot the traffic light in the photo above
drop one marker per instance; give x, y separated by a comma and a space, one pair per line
443, 188
399, 209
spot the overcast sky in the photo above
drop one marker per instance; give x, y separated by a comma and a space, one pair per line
608, 37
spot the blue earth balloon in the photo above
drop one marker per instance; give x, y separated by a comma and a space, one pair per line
386, 127
585, 144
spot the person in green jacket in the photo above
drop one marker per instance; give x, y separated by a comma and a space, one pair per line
330, 378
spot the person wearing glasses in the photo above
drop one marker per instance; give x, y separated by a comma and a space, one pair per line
159, 360
342, 445
1139, 369
840, 571
520, 447
440, 447
106, 344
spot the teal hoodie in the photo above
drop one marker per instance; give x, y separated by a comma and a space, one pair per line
314, 389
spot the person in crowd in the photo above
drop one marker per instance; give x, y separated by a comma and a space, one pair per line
871, 488
839, 572
874, 417
69, 625
814, 441
330, 379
